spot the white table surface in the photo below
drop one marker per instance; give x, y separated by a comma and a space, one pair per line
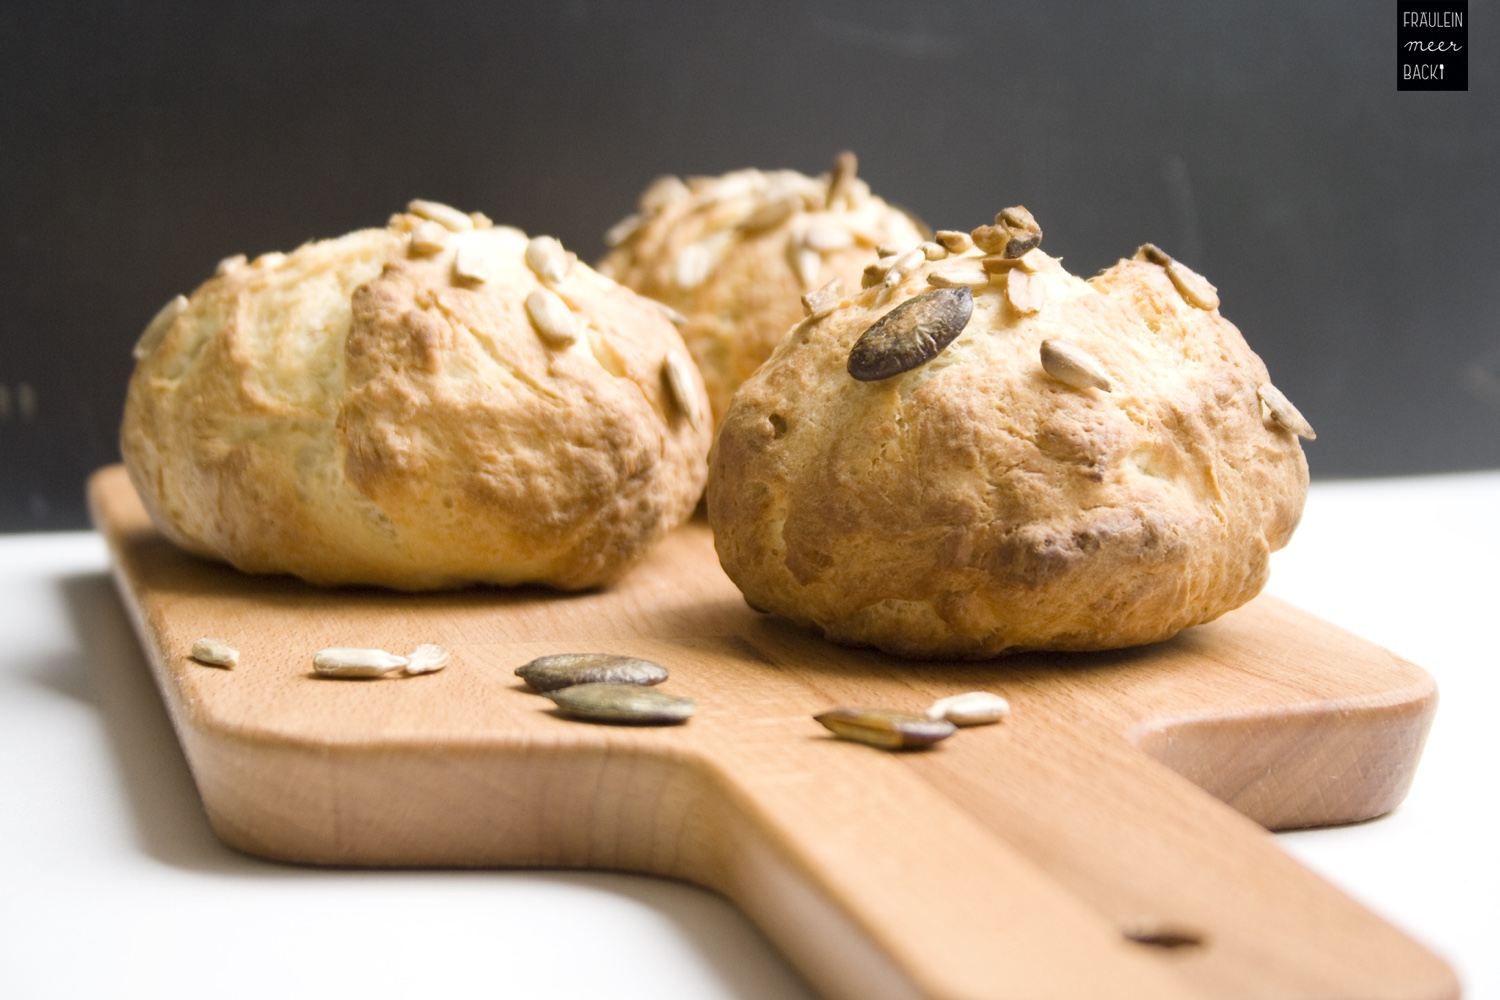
111, 884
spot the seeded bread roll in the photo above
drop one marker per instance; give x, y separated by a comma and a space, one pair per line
733, 254
989, 454
422, 406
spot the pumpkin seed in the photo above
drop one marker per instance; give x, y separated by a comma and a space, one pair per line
972, 708
879, 727
911, 334
1279, 410
1073, 365
216, 653
560, 670
624, 703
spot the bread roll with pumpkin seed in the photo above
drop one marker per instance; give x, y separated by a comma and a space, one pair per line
431, 404
733, 255
988, 454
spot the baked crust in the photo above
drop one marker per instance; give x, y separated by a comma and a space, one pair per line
978, 504
369, 410
720, 251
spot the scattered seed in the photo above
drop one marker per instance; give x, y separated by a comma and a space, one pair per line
697, 260
911, 334
560, 670
679, 374
426, 659
350, 662
430, 237
1192, 286
551, 317
229, 265
934, 251
547, 259
972, 276
772, 213
157, 329
972, 708
954, 241
903, 266
807, 263
882, 728
623, 230
824, 237
1026, 292
621, 703
1278, 410
445, 215
1073, 366
840, 178
662, 192
216, 653
471, 264
825, 300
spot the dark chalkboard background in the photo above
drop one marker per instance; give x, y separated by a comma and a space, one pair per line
1353, 231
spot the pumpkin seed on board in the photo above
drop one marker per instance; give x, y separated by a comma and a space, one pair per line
560, 670
911, 334
630, 704
879, 727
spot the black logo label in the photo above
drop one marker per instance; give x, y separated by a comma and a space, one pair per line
1432, 42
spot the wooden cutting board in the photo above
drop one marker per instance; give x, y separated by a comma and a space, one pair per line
1106, 840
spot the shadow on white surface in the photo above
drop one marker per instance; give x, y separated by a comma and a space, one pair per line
650, 936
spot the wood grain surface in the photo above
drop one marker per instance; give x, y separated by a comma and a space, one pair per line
1082, 848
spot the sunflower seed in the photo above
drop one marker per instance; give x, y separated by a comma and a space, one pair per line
662, 192
623, 230
840, 178
885, 250
1192, 286
427, 659
1153, 254
1278, 410
882, 728
952, 277
772, 213
1026, 293
551, 317
471, 264
350, 662
1013, 233
825, 300
229, 265
157, 329
429, 238
825, 237
972, 708
560, 670
216, 653
933, 251
679, 373
445, 215
954, 241
875, 273
1073, 366
267, 261
481, 221
911, 334
697, 260
677, 318
807, 263
621, 703
903, 266
546, 258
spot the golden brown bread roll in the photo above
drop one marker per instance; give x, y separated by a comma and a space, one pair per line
1087, 464
425, 405
733, 255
